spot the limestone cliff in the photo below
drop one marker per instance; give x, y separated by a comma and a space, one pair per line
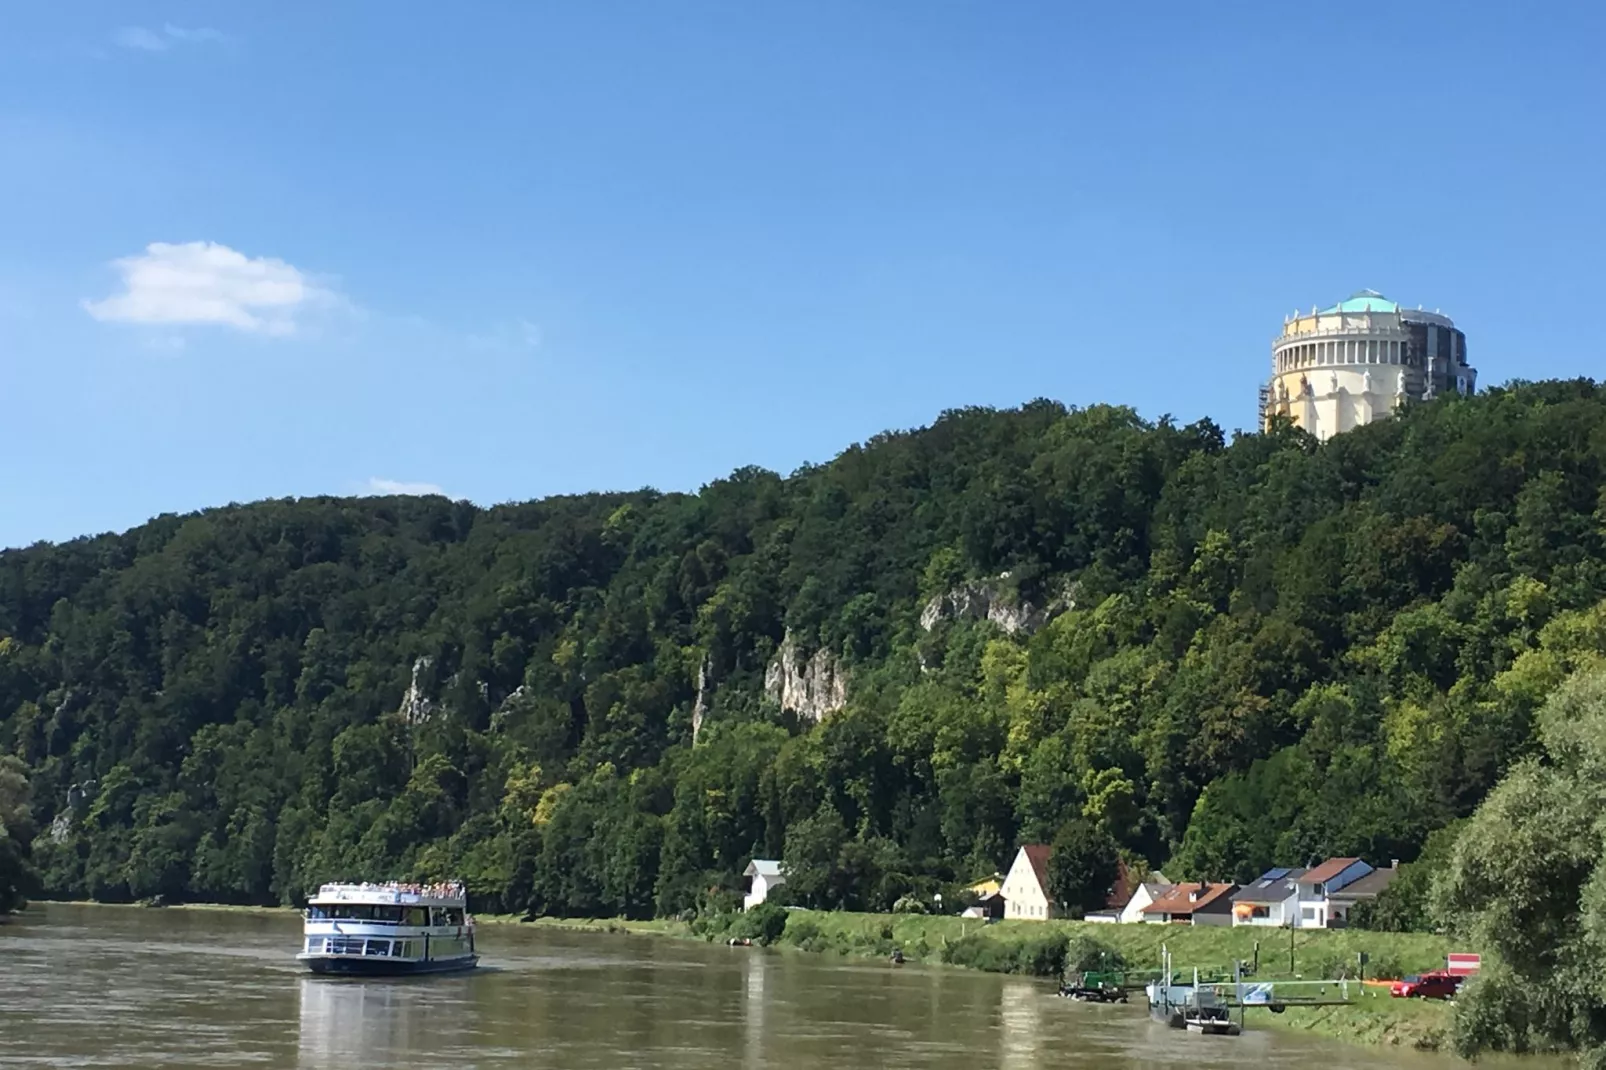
699, 708
415, 705
813, 688
990, 600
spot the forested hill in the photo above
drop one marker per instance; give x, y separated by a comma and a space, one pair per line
1219, 655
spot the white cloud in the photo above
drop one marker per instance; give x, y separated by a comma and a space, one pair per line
521, 334
207, 283
139, 37
146, 40
199, 35
395, 486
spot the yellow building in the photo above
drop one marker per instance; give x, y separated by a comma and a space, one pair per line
1337, 368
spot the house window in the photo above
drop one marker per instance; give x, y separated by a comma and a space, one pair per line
1308, 913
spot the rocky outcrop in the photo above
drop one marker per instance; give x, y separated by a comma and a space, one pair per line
415, 705
990, 600
505, 709
699, 709
813, 688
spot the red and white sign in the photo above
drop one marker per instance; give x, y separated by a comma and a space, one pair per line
1462, 965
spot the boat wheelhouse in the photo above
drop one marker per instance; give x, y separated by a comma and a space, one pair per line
388, 928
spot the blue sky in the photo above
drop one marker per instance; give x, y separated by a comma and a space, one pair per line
523, 248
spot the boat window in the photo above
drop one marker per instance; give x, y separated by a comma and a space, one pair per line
378, 947
352, 912
417, 916
387, 913
454, 916
317, 913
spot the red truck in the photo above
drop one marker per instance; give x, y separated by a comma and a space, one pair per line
1435, 984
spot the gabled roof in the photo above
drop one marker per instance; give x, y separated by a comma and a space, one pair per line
1328, 870
1037, 854
1368, 886
1125, 886
1177, 901
1269, 888
986, 884
767, 868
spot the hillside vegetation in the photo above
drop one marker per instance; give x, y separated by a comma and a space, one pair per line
1218, 655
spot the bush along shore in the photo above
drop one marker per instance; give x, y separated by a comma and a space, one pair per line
1050, 949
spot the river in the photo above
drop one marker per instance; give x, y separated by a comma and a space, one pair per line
88, 986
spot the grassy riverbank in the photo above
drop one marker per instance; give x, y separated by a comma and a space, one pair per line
1026, 947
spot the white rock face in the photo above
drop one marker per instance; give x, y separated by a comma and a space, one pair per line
699, 708
987, 600
415, 705
505, 708
812, 689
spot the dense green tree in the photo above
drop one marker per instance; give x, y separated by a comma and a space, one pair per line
16, 835
1081, 868
1215, 655
1525, 884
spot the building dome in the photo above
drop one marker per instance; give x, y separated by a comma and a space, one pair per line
1362, 301
1339, 367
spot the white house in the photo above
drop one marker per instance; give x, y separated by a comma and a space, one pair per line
1317, 910
1142, 896
764, 875
1270, 900
1025, 888
1129, 896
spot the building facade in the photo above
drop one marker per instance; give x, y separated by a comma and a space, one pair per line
763, 875
1025, 888
1337, 368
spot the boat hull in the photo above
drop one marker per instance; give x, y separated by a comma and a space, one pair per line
354, 966
1212, 1027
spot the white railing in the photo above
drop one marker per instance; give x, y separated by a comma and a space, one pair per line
394, 892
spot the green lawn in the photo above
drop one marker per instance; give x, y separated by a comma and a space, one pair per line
1316, 953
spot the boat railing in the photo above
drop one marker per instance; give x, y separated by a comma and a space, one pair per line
391, 890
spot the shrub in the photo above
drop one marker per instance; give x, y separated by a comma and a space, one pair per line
763, 924
804, 933
1037, 956
1085, 953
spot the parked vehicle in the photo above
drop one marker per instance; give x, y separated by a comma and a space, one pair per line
1436, 984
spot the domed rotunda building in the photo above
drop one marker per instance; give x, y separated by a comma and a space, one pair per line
1337, 368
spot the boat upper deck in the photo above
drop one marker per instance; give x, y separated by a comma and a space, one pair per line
392, 893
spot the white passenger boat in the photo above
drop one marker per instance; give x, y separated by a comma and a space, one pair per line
390, 928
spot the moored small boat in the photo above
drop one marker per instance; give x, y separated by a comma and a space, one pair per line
1194, 1007
388, 929
1214, 1021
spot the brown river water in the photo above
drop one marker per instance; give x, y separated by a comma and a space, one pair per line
131, 987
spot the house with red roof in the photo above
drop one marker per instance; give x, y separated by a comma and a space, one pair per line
1193, 903
1132, 891
1320, 906
1025, 889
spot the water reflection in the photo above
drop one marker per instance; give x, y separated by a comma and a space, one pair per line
346, 1023
755, 967
1020, 1008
